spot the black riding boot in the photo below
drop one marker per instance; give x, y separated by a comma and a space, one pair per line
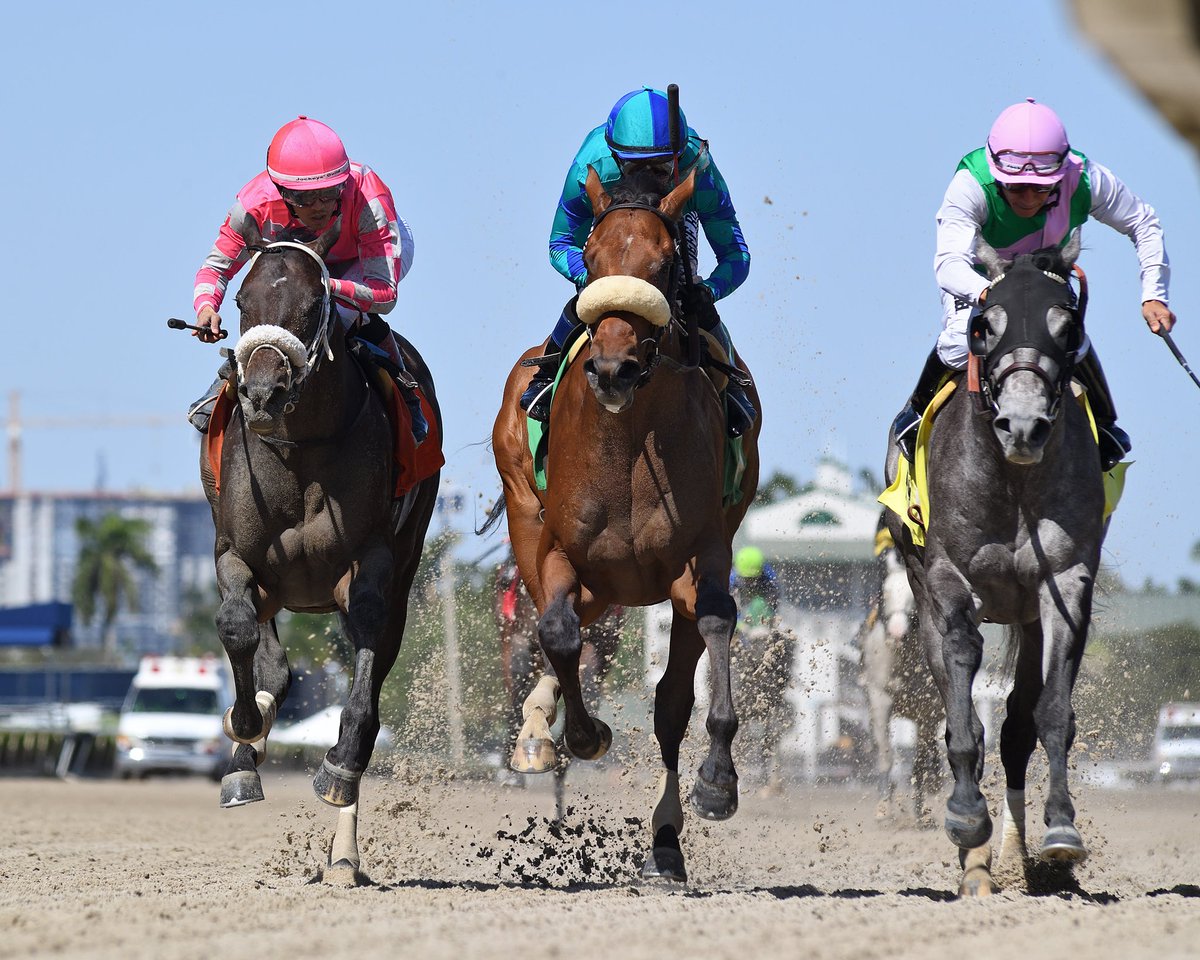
908, 420
535, 401
1114, 442
200, 412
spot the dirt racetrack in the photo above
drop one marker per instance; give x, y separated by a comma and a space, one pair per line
108, 869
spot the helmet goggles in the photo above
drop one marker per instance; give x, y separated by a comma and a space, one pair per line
1019, 163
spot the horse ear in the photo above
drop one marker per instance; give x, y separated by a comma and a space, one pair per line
992, 262
673, 203
1070, 251
595, 192
324, 243
250, 231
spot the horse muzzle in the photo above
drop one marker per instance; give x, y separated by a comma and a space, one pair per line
613, 381
1023, 438
265, 408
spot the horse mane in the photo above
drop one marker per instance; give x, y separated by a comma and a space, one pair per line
641, 187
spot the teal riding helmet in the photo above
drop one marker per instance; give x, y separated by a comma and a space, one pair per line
638, 126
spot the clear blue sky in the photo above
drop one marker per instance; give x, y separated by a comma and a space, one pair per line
131, 127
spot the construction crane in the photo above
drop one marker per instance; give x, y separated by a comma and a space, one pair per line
15, 426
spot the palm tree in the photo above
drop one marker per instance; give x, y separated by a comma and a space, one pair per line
109, 552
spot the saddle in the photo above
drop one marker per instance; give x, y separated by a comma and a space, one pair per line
908, 495
717, 368
412, 464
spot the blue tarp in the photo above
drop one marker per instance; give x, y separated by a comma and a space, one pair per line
38, 625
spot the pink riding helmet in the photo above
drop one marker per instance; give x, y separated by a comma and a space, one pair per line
1028, 144
307, 155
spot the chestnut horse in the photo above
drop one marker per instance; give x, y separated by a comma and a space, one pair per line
633, 512
306, 521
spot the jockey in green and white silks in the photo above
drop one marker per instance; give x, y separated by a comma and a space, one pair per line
1024, 190
636, 135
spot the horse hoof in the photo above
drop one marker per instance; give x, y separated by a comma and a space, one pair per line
712, 801
976, 882
240, 787
603, 742
533, 756
664, 863
1063, 845
968, 829
343, 874
336, 786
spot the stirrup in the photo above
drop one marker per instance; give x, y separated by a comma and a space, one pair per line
535, 401
200, 412
905, 428
1114, 444
740, 413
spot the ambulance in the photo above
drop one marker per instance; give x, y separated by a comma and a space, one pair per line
1177, 741
171, 719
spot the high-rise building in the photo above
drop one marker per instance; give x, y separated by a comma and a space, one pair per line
39, 549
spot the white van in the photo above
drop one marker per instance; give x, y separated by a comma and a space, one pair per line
1177, 741
171, 720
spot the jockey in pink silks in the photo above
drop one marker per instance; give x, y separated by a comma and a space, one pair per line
1024, 190
309, 184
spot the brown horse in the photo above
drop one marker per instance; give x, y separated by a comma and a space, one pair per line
633, 511
305, 520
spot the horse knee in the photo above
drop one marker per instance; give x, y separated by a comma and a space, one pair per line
558, 630
237, 626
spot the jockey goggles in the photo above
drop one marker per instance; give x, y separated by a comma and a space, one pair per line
1038, 164
310, 198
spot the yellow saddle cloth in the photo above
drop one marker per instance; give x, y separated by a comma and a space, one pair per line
908, 496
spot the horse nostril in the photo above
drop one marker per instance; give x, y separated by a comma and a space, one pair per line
1003, 425
628, 370
589, 367
1039, 433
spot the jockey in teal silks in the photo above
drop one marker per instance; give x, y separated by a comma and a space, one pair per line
1024, 190
636, 136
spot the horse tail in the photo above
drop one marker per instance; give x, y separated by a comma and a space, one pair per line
493, 516
1012, 649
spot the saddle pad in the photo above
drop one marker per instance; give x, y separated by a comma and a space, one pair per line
413, 463
218, 422
908, 495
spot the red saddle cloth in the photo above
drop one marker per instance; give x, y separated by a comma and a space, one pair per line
412, 463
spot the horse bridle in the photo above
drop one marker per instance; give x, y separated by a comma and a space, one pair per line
1020, 334
314, 351
653, 343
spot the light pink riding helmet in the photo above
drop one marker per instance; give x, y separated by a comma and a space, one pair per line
307, 155
1028, 144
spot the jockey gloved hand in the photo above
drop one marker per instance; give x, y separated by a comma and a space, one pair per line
1158, 316
698, 302
208, 317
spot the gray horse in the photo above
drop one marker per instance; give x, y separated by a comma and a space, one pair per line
306, 521
1016, 498
898, 683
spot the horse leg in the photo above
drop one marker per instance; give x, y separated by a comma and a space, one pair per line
674, 698
715, 793
374, 622
241, 783
558, 630
877, 671
534, 751
253, 711
1066, 609
1018, 739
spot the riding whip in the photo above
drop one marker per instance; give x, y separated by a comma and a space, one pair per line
175, 324
677, 138
1179, 356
